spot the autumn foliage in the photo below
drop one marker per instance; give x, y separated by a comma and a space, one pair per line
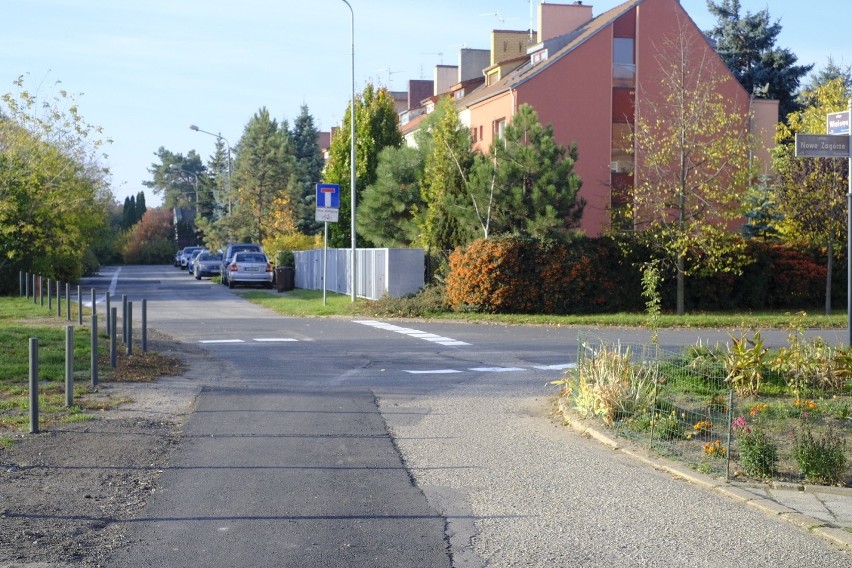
152, 239
518, 275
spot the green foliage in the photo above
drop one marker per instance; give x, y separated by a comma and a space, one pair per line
54, 193
745, 362
692, 163
446, 223
746, 43
821, 459
535, 185
309, 166
286, 243
758, 453
812, 364
427, 302
651, 292
376, 127
266, 187
390, 209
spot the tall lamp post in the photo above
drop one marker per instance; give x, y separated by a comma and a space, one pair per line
353, 278
228, 145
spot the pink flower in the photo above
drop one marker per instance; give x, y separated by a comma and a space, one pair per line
739, 423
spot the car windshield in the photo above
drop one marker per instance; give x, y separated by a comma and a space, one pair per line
250, 257
211, 256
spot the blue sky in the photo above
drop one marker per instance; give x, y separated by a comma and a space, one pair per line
147, 69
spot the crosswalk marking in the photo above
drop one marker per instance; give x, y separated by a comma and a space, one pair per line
434, 338
492, 369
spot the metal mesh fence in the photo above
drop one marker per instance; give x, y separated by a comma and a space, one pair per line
681, 406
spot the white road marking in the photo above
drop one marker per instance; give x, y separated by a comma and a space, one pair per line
411, 332
274, 339
434, 372
493, 369
556, 367
221, 341
496, 369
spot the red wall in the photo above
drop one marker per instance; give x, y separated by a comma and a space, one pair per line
575, 96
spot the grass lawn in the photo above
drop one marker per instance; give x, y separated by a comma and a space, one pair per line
303, 303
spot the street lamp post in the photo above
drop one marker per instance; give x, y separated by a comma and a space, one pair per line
353, 276
228, 145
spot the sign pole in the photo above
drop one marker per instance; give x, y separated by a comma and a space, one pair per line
849, 241
324, 262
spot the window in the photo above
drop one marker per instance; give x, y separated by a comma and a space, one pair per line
623, 62
499, 128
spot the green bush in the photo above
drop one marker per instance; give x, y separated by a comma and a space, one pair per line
821, 459
758, 453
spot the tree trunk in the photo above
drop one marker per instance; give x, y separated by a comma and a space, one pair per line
828, 273
680, 285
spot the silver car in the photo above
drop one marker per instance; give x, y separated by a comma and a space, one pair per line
186, 256
250, 268
206, 264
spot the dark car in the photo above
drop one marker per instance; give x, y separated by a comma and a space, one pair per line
229, 253
207, 264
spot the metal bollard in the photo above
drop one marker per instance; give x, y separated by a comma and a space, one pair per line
124, 318
20, 283
69, 366
113, 348
94, 302
79, 305
27, 285
129, 328
33, 385
41, 290
58, 299
49, 296
35, 289
144, 326
94, 346
68, 301
108, 323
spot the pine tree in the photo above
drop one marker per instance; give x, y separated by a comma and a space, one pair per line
746, 43
141, 208
309, 165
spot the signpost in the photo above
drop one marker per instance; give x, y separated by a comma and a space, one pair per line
837, 122
328, 208
835, 144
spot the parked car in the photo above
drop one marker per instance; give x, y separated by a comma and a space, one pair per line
177, 257
191, 261
250, 268
186, 256
207, 264
229, 253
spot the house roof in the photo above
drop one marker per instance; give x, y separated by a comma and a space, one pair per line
563, 45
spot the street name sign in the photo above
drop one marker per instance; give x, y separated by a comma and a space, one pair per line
837, 122
328, 202
822, 146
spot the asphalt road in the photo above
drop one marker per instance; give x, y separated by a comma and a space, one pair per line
353, 442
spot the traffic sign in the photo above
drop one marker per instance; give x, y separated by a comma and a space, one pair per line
822, 146
328, 202
328, 195
837, 122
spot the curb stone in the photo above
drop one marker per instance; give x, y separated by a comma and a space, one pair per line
835, 535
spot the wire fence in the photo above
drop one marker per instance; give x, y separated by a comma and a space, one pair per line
683, 405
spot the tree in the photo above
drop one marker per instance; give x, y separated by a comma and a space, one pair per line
309, 166
182, 180
746, 43
822, 76
534, 185
376, 125
264, 175
811, 192
152, 239
54, 192
141, 207
446, 221
390, 208
692, 167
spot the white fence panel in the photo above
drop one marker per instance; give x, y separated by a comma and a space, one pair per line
381, 272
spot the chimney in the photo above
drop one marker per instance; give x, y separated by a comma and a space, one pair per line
559, 19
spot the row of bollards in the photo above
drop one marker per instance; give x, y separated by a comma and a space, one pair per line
35, 286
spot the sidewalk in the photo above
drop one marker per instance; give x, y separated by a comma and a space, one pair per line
820, 510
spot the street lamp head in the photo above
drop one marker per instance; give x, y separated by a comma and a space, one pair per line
193, 127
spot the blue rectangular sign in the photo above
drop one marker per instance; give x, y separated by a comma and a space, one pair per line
328, 196
837, 122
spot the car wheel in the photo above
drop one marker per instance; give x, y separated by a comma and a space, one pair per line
267, 285
198, 277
